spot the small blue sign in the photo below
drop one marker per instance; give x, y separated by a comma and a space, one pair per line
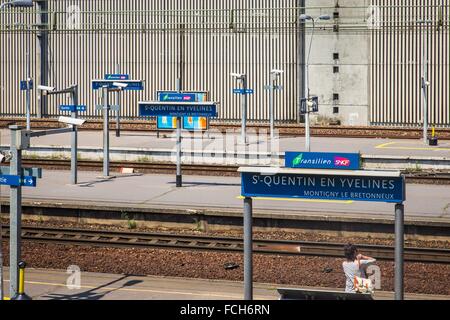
320, 160
148, 109
132, 85
243, 91
116, 76
305, 108
72, 108
16, 181
324, 187
177, 97
24, 85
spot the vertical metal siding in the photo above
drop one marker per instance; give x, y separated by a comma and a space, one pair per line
153, 56
396, 66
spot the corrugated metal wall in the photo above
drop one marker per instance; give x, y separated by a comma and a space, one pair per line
210, 56
396, 70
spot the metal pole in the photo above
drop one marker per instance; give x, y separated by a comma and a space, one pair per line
399, 249
105, 132
42, 21
1, 258
28, 93
424, 83
118, 104
15, 229
74, 144
307, 124
300, 58
179, 178
244, 109
271, 107
248, 249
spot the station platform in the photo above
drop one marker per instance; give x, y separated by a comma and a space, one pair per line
199, 141
43, 284
219, 195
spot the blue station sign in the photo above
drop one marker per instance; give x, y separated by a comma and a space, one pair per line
16, 181
243, 91
117, 76
175, 109
362, 187
322, 160
72, 108
177, 97
132, 85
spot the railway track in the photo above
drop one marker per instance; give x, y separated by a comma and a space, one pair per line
211, 170
188, 242
286, 129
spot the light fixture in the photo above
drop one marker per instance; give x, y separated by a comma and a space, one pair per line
72, 121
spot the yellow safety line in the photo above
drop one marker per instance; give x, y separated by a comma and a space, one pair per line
412, 148
300, 200
141, 290
384, 145
387, 146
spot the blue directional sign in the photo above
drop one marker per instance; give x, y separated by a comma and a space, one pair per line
16, 181
320, 160
72, 108
324, 187
23, 85
174, 109
116, 76
243, 91
35, 172
133, 85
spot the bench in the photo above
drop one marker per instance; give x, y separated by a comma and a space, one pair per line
301, 294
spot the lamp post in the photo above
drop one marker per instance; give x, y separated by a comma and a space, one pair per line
243, 79
425, 83
304, 18
15, 3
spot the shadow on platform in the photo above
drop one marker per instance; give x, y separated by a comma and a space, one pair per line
92, 294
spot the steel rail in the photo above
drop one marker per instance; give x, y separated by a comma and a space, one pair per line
121, 239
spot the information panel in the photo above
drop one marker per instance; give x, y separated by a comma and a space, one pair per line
197, 109
322, 160
188, 123
324, 187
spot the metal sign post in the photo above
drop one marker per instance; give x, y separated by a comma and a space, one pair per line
318, 184
274, 74
244, 91
244, 101
114, 83
399, 251
179, 179
105, 132
74, 140
248, 248
178, 110
74, 108
28, 92
425, 82
15, 211
15, 176
1, 260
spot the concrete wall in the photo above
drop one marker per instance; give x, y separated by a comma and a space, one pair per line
351, 83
